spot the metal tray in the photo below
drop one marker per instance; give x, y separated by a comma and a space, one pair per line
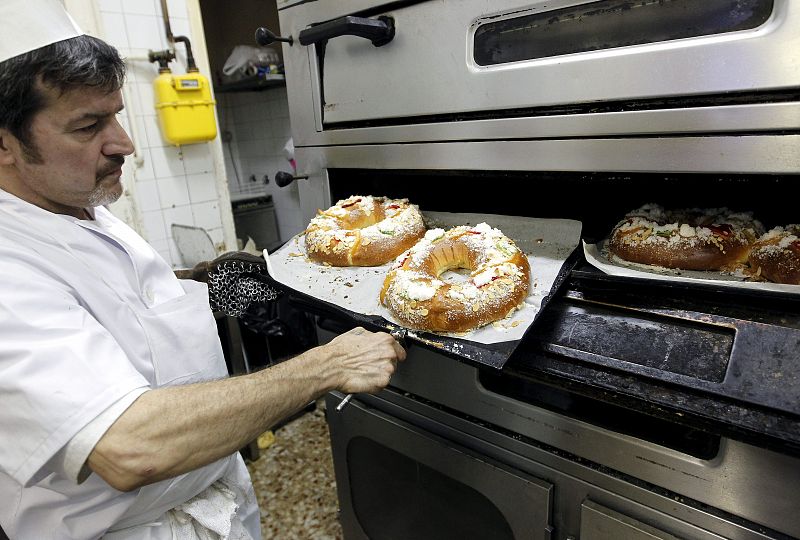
744, 347
494, 355
596, 255
319, 296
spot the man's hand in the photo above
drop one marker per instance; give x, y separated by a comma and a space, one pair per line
235, 280
366, 360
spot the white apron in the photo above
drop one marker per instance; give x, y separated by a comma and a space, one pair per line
170, 342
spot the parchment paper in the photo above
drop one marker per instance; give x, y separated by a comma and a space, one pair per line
598, 256
546, 242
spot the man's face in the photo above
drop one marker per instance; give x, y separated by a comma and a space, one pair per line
78, 151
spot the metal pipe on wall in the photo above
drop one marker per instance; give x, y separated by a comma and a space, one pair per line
191, 65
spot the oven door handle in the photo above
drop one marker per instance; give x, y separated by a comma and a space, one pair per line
379, 31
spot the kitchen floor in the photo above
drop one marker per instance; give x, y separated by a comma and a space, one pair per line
295, 484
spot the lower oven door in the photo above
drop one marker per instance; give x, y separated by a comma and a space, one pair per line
398, 481
407, 470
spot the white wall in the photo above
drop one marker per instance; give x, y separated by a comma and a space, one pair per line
259, 126
194, 184
173, 185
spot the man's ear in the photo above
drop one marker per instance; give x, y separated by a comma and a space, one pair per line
6, 155
7, 143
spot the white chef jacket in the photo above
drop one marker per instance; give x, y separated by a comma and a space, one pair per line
90, 317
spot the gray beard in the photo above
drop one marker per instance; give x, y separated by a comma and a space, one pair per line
103, 195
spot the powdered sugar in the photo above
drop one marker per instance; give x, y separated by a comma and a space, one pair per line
688, 228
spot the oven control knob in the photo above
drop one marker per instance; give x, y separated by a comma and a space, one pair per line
265, 36
283, 179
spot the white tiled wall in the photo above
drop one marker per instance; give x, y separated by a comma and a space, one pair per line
258, 123
174, 185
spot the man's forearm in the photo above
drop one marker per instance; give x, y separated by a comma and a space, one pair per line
170, 431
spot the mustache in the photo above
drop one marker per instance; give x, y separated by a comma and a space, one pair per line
115, 162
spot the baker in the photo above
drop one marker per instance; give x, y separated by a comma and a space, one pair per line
117, 417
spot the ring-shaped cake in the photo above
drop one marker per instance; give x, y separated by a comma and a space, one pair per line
776, 255
690, 239
497, 285
363, 231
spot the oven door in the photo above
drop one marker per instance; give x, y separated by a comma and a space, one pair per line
543, 61
407, 469
398, 481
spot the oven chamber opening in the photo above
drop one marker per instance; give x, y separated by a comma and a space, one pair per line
598, 200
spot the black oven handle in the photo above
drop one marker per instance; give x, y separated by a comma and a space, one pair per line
379, 31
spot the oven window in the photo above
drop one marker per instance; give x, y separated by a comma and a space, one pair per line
396, 497
608, 24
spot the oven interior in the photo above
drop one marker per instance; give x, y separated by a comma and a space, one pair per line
598, 200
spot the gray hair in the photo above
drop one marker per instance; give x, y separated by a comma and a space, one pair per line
82, 61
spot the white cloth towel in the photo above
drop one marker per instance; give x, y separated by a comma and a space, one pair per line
210, 515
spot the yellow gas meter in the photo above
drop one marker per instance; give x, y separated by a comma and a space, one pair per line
185, 108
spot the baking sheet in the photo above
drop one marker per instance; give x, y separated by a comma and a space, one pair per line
546, 242
598, 256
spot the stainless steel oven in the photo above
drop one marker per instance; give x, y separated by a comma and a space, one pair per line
523, 69
631, 410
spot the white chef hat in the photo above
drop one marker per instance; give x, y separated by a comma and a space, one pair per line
26, 25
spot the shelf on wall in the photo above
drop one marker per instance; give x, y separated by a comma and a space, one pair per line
252, 84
